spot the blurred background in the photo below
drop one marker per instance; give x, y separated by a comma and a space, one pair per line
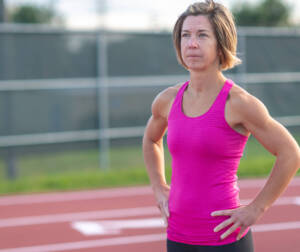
77, 79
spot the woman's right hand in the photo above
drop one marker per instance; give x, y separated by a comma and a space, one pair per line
162, 201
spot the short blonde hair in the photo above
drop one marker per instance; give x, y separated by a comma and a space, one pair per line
223, 24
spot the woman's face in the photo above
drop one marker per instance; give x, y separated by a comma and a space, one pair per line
198, 44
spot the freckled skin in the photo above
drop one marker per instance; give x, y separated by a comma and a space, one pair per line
198, 43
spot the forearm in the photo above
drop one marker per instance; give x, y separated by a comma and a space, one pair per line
283, 171
154, 161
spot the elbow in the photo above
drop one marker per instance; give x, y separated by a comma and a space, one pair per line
145, 141
291, 157
295, 158
298, 159
150, 143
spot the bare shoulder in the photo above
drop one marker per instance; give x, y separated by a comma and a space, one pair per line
246, 106
164, 100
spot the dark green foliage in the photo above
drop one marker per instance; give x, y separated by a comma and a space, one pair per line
32, 14
266, 13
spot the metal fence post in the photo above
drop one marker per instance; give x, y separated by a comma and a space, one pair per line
102, 100
11, 166
2, 12
10, 157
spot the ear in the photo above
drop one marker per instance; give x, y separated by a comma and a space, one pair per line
219, 52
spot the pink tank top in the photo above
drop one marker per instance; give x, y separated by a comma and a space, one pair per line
206, 153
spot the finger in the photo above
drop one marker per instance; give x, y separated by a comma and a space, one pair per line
239, 236
165, 220
163, 212
166, 209
230, 231
223, 225
163, 215
222, 212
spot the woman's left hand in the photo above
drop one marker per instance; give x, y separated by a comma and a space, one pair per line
242, 217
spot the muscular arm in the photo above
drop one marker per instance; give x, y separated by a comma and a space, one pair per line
254, 117
153, 149
278, 141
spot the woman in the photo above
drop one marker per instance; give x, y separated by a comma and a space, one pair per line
209, 120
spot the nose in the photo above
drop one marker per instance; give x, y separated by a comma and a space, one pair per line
193, 43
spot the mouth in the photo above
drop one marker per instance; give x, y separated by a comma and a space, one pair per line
193, 56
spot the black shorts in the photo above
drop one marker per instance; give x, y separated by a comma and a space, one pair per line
243, 245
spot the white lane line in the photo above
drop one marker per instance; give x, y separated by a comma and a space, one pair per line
116, 226
110, 213
125, 240
57, 218
109, 193
90, 244
276, 226
279, 202
297, 201
73, 196
257, 183
89, 228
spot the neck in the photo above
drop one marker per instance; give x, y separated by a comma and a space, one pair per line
205, 81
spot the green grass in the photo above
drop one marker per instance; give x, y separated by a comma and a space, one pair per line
74, 181
80, 169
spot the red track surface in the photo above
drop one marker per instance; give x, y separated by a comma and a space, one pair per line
43, 222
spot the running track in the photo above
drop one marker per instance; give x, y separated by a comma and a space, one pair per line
125, 219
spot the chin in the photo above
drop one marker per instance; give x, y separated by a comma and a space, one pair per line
196, 68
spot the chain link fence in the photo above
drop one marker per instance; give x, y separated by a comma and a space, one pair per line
67, 90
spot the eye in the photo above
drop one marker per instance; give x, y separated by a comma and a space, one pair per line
202, 35
184, 35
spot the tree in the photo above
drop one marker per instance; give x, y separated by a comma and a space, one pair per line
32, 14
266, 13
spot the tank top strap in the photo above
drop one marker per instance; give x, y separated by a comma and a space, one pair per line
181, 91
222, 97
176, 106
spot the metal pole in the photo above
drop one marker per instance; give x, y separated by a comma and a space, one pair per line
103, 100
10, 157
102, 89
2, 11
10, 160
